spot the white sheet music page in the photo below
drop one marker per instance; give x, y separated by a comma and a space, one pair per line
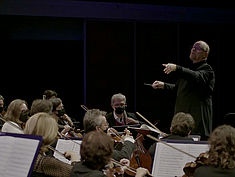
67, 145
168, 162
16, 155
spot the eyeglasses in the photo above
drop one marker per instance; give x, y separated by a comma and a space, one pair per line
198, 48
120, 105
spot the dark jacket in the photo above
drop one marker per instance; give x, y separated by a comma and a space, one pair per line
111, 120
194, 89
209, 171
81, 170
125, 151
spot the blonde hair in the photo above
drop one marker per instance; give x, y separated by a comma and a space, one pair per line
14, 111
42, 124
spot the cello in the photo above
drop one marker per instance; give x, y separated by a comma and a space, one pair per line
140, 157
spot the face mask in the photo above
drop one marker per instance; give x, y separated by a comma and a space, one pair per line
119, 110
61, 112
1, 109
24, 116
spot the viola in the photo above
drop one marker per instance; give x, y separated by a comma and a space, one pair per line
190, 167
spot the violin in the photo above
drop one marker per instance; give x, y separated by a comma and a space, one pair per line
190, 167
118, 169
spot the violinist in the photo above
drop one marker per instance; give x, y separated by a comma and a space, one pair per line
16, 116
40, 105
96, 151
120, 116
181, 126
221, 155
48, 94
43, 124
65, 123
94, 119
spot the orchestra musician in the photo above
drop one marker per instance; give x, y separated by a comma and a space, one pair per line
48, 94
221, 155
96, 152
181, 126
43, 124
65, 123
119, 115
41, 105
16, 116
94, 119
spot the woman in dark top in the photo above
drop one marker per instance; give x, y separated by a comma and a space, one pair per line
221, 156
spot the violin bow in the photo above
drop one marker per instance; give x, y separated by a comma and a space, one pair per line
162, 133
84, 107
159, 131
53, 149
158, 140
131, 169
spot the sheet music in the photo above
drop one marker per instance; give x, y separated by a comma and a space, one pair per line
146, 127
16, 155
67, 145
169, 162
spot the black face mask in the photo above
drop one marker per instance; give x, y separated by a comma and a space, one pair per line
1, 109
119, 110
24, 116
61, 112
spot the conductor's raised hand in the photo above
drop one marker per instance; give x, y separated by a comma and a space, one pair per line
169, 67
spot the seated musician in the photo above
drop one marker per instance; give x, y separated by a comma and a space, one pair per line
16, 116
43, 124
96, 151
120, 116
94, 119
40, 105
221, 155
65, 123
181, 126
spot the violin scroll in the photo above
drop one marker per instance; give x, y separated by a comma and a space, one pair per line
190, 167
